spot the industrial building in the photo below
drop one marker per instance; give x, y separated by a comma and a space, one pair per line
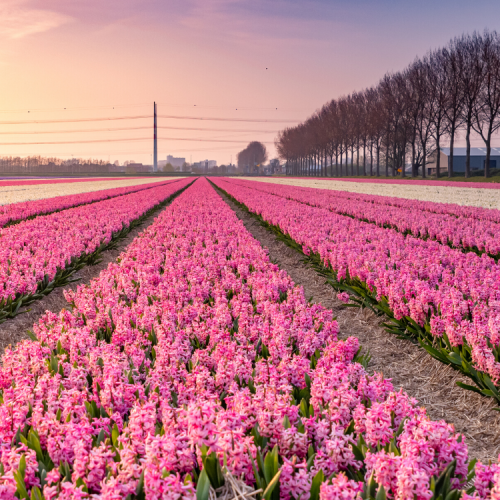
477, 160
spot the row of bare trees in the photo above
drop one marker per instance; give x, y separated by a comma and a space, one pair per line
406, 117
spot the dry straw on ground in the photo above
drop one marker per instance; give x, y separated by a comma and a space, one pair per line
233, 489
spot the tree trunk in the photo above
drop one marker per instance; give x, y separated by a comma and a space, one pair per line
450, 158
364, 158
467, 155
371, 160
357, 158
387, 161
488, 155
413, 160
438, 158
394, 164
378, 160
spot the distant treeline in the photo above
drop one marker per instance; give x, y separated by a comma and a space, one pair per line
40, 164
406, 117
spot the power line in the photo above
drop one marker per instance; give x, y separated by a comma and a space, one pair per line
221, 130
77, 120
118, 129
249, 120
78, 108
121, 106
138, 117
120, 152
125, 140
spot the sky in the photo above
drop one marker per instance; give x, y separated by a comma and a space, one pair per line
253, 66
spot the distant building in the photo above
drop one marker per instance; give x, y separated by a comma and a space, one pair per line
274, 166
205, 165
477, 159
175, 162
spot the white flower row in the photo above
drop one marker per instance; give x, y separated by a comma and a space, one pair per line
476, 197
20, 192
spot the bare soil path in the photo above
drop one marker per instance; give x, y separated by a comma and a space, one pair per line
409, 367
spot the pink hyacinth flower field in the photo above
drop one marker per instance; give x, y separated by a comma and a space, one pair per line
463, 227
192, 364
37, 255
16, 212
445, 298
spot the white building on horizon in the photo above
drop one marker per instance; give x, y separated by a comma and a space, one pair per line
176, 162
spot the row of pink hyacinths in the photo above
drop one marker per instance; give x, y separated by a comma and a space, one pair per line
38, 247
23, 210
468, 211
188, 309
467, 228
460, 291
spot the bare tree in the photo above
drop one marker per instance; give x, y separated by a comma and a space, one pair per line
487, 105
439, 84
471, 70
425, 121
411, 111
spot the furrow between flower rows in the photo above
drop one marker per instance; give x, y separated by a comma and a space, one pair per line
40, 254
194, 360
17, 212
446, 300
464, 228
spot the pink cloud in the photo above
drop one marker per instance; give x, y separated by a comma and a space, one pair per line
18, 19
